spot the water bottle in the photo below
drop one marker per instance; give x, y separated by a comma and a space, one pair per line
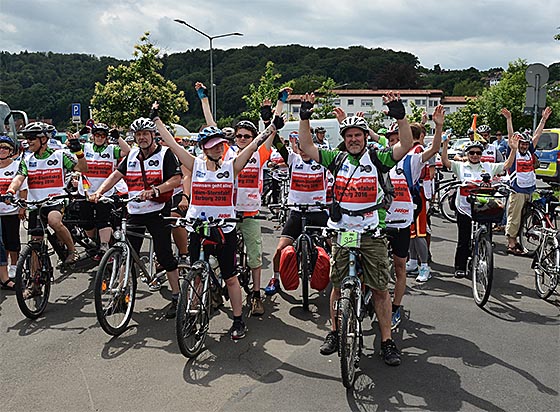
214, 265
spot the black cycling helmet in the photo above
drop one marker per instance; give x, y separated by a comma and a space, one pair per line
100, 128
320, 129
353, 121
246, 124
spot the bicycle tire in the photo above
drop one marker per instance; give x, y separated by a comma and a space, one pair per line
545, 265
305, 270
347, 338
445, 208
114, 304
244, 273
482, 269
37, 281
528, 238
191, 324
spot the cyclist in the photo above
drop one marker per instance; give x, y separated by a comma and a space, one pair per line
10, 215
149, 170
308, 185
319, 140
470, 174
45, 169
102, 159
359, 196
522, 177
212, 196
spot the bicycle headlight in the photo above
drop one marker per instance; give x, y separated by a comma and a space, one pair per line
118, 235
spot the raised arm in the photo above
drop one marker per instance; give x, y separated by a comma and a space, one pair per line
513, 144
438, 118
444, 159
537, 135
305, 138
398, 112
205, 103
507, 114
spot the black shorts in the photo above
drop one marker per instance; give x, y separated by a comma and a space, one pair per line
292, 228
35, 228
399, 239
95, 215
224, 254
175, 203
10, 232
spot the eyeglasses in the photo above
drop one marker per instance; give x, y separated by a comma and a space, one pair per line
475, 153
243, 136
485, 134
5, 148
31, 138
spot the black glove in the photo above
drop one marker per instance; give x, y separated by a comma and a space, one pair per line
266, 113
8, 197
278, 122
396, 109
74, 145
154, 113
114, 135
84, 130
306, 110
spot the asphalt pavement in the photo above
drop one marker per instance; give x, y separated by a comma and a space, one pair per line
455, 356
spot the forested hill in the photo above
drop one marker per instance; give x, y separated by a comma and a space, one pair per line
44, 84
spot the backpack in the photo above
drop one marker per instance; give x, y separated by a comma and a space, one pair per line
289, 268
382, 175
321, 269
414, 188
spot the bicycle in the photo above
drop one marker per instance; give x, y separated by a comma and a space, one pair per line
34, 269
540, 212
115, 281
354, 304
280, 211
200, 282
546, 262
487, 207
243, 271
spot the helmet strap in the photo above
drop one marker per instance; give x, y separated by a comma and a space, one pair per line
216, 162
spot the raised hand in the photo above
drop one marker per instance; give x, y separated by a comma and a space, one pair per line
339, 113
394, 103
306, 109
438, 116
506, 113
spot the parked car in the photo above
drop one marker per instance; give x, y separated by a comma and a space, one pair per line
548, 152
456, 147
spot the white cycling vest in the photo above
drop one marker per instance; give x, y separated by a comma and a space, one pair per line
489, 154
524, 174
7, 174
212, 192
249, 185
153, 167
307, 181
100, 166
45, 177
360, 192
470, 178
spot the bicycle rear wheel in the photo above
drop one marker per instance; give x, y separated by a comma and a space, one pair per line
546, 266
482, 269
529, 237
193, 312
33, 280
114, 300
347, 338
305, 271
445, 205
244, 274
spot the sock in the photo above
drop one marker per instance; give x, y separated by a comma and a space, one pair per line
424, 265
238, 319
256, 293
276, 275
413, 263
394, 307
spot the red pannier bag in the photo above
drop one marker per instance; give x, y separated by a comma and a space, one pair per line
320, 277
289, 268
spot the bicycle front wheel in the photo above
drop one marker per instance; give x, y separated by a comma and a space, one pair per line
114, 292
529, 237
347, 338
305, 271
33, 280
547, 268
482, 269
193, 314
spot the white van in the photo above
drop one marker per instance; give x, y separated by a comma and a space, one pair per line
330, 125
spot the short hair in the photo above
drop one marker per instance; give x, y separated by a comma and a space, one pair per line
417, 130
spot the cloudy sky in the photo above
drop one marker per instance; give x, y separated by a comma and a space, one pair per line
455, 34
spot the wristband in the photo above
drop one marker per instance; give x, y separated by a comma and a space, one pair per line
79, 154
156, 191
186, 197
202, 93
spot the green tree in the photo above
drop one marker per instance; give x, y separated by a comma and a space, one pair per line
325, 101
131, 89
461, 120
266, 89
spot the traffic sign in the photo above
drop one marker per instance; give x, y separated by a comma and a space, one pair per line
536, 72
76, 113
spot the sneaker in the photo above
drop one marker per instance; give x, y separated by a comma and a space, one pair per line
237, 331
396, 318
273, 287
411, 267
390, 353
460, 274
155, 285
330, 345
257, 307
171, 310
12, 271
183, 262
423, 274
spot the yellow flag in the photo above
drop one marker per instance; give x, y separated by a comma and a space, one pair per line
477, 137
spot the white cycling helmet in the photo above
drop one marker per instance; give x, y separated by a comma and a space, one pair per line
353, 121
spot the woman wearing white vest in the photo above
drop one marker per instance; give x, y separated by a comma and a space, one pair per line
156, 167
102, 159
212, 194
522, 177
470, 173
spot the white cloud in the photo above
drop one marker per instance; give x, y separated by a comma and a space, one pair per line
454, 34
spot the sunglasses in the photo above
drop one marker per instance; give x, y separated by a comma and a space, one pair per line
475, 153
31, 138
5, 148
243, 136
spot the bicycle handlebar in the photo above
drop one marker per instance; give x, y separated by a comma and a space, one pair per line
211, 222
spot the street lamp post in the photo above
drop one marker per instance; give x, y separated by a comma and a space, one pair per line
210, 38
